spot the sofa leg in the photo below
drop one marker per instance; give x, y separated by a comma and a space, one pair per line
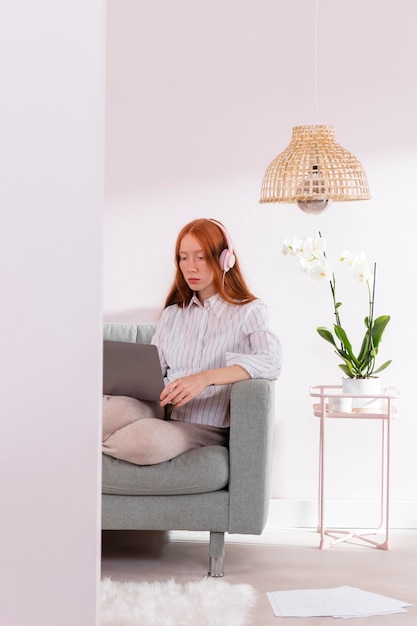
216, 551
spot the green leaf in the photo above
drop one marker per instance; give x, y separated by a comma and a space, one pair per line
364, 351
378, 329
346, 370
369, 349
383, 366
341, 334
326, 334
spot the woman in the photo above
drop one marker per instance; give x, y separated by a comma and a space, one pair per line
213, 332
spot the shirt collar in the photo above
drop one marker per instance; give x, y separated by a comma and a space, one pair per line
215, 304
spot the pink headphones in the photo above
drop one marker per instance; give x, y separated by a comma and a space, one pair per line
227, 258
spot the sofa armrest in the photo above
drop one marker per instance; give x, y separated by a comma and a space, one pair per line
252, 412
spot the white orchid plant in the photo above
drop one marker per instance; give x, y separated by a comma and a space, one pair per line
311, 254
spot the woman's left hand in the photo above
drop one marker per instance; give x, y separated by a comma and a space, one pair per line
184, 389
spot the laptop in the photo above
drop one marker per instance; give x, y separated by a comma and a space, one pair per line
132, 369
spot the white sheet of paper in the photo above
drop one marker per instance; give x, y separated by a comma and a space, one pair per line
342, 602
274, 603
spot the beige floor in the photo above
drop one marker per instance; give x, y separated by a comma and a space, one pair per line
277, 561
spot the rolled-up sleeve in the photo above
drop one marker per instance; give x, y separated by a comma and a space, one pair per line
260, 353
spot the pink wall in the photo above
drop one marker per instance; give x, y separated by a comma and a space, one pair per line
51, 164
201, 96
205, 90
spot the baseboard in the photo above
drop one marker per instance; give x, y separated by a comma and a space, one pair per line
286, 516
340, 514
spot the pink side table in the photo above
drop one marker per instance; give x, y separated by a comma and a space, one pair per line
384, 413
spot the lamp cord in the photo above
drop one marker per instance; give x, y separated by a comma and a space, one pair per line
316, 64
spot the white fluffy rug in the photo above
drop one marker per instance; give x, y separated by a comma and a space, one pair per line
209, 602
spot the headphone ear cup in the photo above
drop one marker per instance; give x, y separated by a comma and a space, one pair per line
227, 260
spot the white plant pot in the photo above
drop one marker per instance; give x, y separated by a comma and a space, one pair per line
338, 404
362, 387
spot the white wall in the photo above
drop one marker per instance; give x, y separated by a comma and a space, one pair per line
201, 96
51, 171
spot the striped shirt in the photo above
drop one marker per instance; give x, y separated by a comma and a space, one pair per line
215, 334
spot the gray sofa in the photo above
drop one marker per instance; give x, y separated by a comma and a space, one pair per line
212, 489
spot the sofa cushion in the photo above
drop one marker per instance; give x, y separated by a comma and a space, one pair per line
200, 470
129, 332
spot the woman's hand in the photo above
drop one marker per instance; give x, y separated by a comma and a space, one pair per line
184, 389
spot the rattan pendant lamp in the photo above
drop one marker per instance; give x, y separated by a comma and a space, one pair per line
314, 169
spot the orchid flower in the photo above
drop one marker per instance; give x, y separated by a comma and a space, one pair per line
311, 254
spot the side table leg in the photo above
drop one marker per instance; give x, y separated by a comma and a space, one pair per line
385, 545
324, 543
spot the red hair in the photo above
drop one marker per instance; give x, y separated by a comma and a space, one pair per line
231, 285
